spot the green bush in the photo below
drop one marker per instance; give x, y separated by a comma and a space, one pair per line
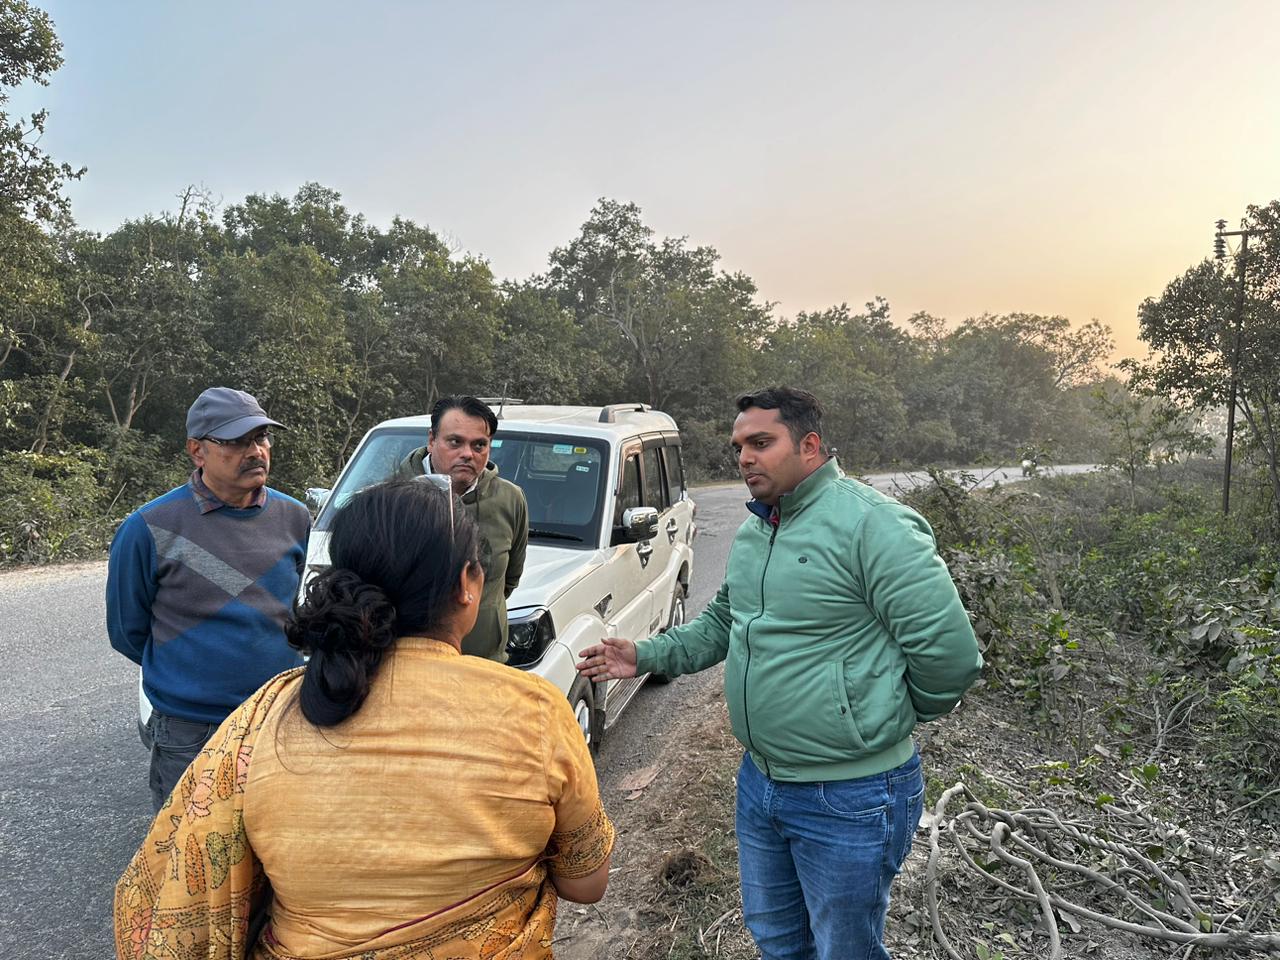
51, 507
1132, 580
66, 506
1056, 573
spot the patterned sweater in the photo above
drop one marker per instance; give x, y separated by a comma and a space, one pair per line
198, 594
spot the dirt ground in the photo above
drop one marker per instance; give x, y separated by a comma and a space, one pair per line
673, 887
683, 809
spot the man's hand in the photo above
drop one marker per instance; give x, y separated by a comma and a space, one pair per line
614, 659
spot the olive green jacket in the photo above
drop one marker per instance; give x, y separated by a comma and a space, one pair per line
499, 508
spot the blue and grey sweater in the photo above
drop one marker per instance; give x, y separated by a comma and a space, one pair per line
198, 594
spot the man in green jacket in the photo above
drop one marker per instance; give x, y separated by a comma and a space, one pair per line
840, 629
462, 429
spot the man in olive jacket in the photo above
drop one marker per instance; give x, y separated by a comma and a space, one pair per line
840, 629
462, 428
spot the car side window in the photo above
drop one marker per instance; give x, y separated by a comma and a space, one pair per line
629, 488
654, 487
674, 470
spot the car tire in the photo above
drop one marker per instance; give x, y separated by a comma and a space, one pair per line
675, 619
582, 699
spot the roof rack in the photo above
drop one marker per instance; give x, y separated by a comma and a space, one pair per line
609, 412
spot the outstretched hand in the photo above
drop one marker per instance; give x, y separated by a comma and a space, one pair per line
612, 659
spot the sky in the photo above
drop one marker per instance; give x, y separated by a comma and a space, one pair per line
952, 157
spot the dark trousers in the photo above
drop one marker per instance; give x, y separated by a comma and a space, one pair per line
174, 744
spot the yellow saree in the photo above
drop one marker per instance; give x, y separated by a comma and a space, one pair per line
188, 891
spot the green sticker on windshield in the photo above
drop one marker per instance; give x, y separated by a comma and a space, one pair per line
495, 443
563, 448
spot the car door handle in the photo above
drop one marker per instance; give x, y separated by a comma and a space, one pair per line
645, 551
672, 529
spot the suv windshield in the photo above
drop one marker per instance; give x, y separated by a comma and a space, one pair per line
562, 478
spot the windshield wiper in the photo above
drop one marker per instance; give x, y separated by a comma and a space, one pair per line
554, 535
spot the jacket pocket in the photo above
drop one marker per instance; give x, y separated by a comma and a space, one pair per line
733, 685
843, 709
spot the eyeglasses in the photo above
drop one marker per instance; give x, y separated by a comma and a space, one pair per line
241, 444
442, 482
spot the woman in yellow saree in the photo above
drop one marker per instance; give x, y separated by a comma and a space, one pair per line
391, 800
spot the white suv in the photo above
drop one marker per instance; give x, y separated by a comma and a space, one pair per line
611, 528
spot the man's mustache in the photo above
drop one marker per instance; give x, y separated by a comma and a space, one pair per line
254, 465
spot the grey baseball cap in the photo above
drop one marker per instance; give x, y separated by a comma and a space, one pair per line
224, 414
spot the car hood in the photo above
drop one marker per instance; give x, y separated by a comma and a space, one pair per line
549, 571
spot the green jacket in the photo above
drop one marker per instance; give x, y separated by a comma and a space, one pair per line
839, 629
499, 508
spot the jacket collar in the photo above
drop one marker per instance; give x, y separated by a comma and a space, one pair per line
808, 490
480, 489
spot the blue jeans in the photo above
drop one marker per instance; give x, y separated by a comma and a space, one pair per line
817, 860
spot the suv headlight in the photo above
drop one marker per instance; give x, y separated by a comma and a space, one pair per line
528, 637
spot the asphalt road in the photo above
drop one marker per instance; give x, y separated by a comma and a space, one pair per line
73, 797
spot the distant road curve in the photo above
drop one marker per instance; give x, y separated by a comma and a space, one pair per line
903, 482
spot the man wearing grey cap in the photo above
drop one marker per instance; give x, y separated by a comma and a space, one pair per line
201, 580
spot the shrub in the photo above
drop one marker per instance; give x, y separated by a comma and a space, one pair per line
66, 506
50, 509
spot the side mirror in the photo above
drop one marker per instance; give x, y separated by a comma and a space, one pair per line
639, 524
315, 498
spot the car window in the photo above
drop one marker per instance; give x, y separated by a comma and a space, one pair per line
674, 469
629, 489
654, 493
562, 478
374, 462
563, 483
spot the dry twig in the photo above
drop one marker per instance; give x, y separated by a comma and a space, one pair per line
1120, 869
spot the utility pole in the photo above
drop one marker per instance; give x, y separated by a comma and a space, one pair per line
1242, 260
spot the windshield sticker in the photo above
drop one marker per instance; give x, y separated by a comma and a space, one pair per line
564, 448
579, 450
495, 443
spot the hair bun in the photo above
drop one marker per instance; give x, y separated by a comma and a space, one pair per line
346, 626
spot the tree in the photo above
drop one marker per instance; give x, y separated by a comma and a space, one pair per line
852, 362
1192, 329
154, 330
1143, 431
32, 293
30, 181
541, 355
663, 312
442, 313
281, 336
997, 384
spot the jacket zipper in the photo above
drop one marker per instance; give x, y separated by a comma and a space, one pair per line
746, 669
